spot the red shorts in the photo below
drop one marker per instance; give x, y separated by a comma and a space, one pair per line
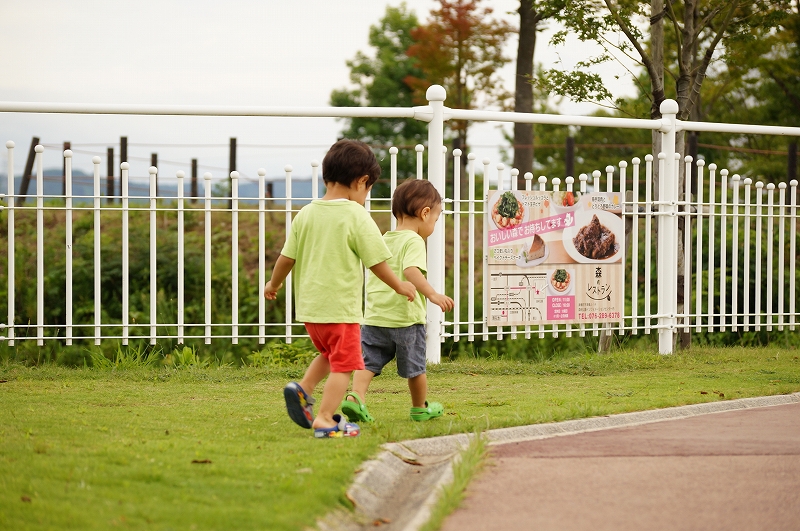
339, 343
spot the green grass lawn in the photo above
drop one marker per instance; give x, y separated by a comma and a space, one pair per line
212, 448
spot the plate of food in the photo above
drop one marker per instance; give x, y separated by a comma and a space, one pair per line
564, 201
596, 237
534, 253
560, 282
507, 209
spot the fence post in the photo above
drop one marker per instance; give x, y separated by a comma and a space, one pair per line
39, 150
10, 202
436, 96
667, 231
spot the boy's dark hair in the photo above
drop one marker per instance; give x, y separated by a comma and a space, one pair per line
412, 195
347, 160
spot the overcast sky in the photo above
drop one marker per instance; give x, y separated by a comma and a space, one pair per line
240, 52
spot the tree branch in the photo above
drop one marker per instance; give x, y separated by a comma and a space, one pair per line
701, 74
707, 21
674, 19
791, 96
648, 63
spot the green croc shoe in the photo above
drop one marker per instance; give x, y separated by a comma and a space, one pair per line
356, 411
431, 410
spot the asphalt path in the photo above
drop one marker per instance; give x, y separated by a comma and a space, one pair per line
733, 470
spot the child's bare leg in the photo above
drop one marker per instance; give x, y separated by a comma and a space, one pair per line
335, 389
418, 385
316, 372
361, 381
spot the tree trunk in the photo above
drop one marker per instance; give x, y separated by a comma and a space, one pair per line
523, 96
657, 84
657, 54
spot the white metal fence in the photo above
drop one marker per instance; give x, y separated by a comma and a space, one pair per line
717, 293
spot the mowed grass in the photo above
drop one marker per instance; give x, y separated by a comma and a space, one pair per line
213, 448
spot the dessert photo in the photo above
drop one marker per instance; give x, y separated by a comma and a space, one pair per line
533, 252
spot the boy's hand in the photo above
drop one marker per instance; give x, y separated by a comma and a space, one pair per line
442, 301
407, 290
270, 291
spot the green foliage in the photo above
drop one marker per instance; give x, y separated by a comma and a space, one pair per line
132, 357
579, 85
297, 354
694, 33
758, 86
379, 81
461, 48
185, 357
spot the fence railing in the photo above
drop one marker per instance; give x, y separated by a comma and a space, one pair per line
741, 284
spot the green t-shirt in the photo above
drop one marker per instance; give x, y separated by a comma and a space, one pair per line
329, 241
384, 306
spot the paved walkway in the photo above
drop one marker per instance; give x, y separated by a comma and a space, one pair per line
726, 471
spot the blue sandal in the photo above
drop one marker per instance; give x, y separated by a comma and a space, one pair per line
342, 429
299, 405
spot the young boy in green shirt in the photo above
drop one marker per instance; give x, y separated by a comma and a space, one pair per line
392, 327
330, 239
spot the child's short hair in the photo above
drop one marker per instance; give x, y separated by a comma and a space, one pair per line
347, 160
412, 195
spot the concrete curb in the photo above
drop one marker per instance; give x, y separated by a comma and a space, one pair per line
398, 489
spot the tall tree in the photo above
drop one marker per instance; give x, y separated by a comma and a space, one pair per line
531, 16
761, 85
379, 81
696, 33
461, 48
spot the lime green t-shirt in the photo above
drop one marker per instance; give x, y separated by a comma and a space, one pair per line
384, 306
329, 241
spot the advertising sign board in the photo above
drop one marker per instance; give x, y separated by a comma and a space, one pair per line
554, 257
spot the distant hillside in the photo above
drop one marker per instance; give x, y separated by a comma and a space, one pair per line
82, 186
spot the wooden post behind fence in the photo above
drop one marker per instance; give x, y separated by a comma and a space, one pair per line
569, 157
67, 146
123, 149
154, 163
110, 174
194, 181
26, 175
231, 168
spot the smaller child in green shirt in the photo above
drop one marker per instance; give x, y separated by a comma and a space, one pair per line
393, 327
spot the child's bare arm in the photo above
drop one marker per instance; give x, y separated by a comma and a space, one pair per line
283, 267
415, 276
385, 273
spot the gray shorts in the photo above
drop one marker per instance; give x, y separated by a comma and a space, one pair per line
380, 345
